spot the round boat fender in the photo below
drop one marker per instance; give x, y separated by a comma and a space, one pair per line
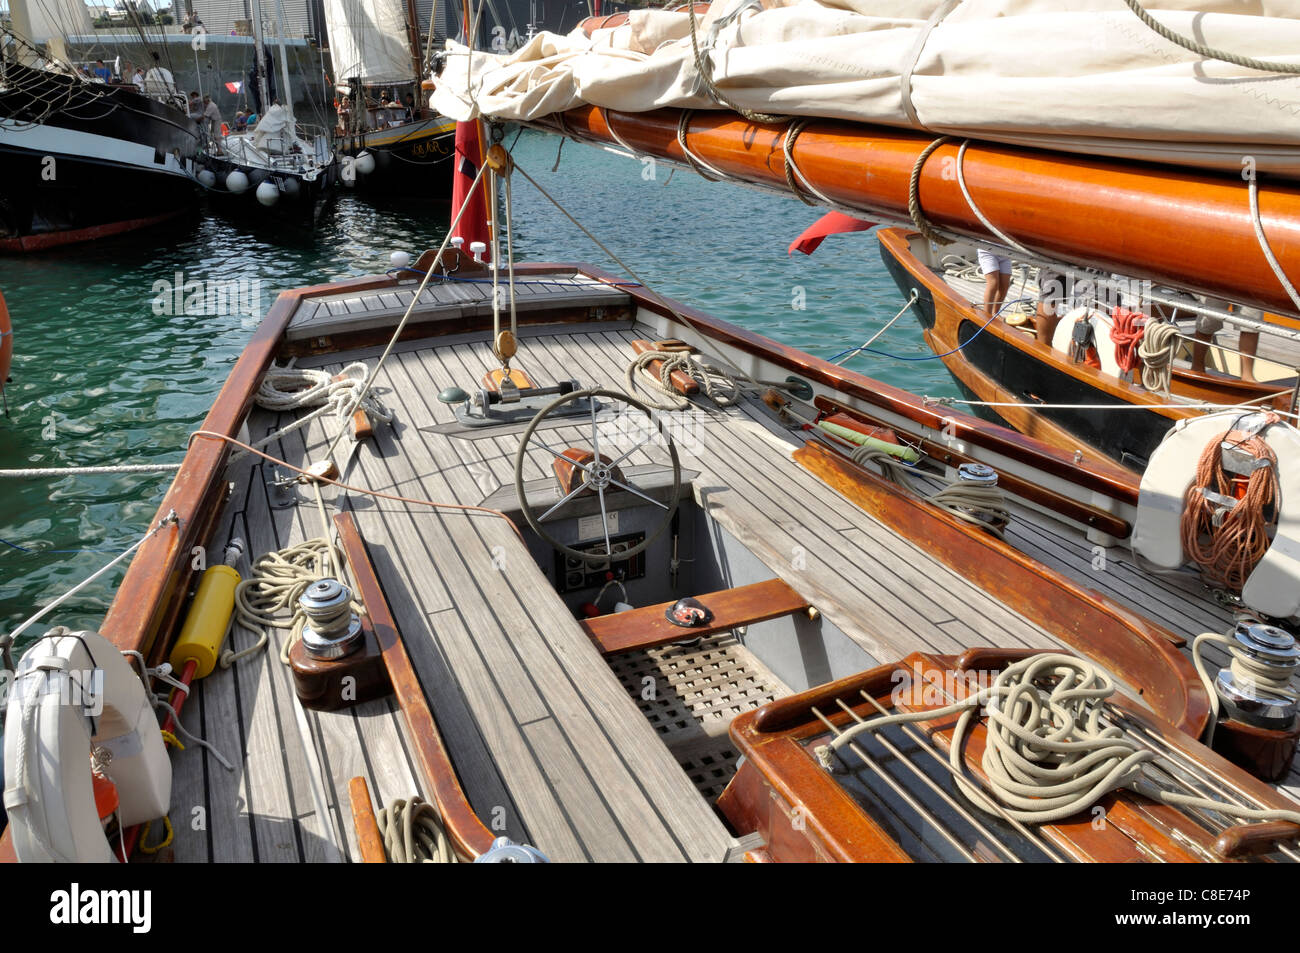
1102, 343
1273, 587
74, 693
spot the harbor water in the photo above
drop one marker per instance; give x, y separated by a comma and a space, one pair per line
121, 345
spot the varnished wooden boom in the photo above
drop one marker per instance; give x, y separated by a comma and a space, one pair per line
1186, 228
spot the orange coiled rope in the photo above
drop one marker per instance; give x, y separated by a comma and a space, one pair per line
1126, 330
1229, 552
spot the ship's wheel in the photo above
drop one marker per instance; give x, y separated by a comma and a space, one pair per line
593, 471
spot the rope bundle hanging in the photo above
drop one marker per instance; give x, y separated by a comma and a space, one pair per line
1048, 754
1227, 545
413, 833
1127, 331
1159, 339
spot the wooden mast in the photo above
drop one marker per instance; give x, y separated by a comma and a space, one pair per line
417, 57
1183, 227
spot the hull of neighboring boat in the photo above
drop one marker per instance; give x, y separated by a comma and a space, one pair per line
106, 161
411, 160
304, 201
1002, 365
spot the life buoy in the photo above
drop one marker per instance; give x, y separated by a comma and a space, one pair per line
1101, 342
1273, 586
73, 694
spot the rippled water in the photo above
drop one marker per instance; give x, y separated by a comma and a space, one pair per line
100, 378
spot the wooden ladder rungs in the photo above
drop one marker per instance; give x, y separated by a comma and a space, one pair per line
648, 627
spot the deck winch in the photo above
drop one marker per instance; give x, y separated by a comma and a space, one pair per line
332, 629
1248, 699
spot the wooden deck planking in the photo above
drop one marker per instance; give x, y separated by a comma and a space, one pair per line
540, 665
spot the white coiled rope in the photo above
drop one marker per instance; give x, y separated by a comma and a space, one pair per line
1047, 755
413, 833
1157, 352
720, 387
292, 388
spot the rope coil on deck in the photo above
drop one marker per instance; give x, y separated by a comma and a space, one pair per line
413, 833
1048, 754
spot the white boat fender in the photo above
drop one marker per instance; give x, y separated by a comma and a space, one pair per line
1273, 586
1063, 337
73, 694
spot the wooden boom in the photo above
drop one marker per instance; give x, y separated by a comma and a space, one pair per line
1187, 228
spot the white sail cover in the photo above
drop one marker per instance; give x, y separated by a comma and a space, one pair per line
368, 38
1081, 75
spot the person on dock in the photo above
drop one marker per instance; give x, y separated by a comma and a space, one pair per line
997, 280
138, 78
195, 108
241, 121
211, 118
102, 72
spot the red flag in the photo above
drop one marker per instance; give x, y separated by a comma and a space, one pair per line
473, 225
832, 223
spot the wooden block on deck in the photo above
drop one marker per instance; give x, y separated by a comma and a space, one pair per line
647, 627
683, 383
492, 379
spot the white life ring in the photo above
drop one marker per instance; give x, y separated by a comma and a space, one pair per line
1101, 326
74, 692
1273, 588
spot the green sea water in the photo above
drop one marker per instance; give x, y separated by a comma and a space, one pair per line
108, 370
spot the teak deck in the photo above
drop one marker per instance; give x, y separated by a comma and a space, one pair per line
551, 748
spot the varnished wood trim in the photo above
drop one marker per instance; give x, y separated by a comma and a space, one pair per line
1137, 650
467, 833
1184, 227
648, 627
370, 842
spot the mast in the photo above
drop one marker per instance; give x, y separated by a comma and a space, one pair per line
259, 59
284, 62
417, 54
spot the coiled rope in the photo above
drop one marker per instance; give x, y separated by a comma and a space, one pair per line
1159, 340
413, 833
720, 387
292, 388
1275, 679
1047, 754
1228, 552
1127, 334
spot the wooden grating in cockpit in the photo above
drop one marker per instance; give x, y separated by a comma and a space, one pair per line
690, 693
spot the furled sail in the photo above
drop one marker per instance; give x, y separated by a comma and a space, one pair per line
369, 39
1093, 78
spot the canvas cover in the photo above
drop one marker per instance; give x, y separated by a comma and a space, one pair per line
1081, 75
